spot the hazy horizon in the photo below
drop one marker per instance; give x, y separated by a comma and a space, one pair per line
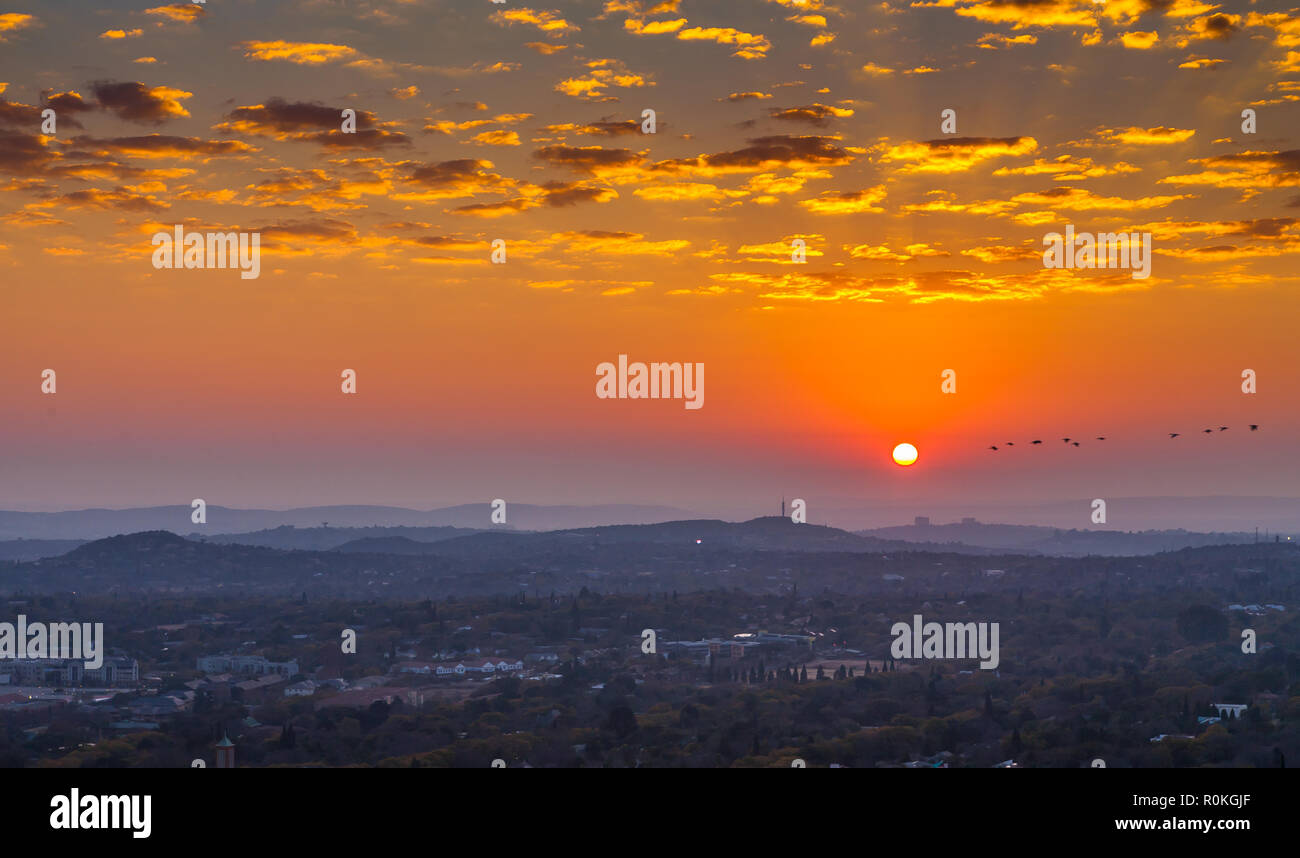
1198, 514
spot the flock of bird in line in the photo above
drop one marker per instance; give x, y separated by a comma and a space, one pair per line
1254, 427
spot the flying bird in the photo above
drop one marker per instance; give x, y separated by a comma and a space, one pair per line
1011, 443
1035, 442
1173, 434
1066, 440
1076, 443
1101, 437
1254, 426
994, 449
1208, 430
1221, 428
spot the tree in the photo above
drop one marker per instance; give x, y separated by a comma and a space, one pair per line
622, 721
1202, 624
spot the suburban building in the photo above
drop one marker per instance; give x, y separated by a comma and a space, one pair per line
487, 668
245, 665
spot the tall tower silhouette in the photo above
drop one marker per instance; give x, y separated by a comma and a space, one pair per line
225, 753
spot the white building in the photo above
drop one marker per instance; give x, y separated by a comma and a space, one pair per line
1229, 710
246, 665
306, 688
488, 668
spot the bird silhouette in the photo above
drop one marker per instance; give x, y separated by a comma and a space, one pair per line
1254, 427
994, 449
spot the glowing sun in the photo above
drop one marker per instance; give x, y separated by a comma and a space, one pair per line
904, 454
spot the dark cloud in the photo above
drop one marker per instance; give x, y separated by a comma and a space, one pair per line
559, 194
449, 173
1219, 26
813, 114
17, 114
23, 154
494, 209
613, 129
1267, 227
156, 145
278, 116
446, 241
587, 159
14, 113
949, 143
322, 230
311, 122
135, 102
66, 102
118, 198
764, 153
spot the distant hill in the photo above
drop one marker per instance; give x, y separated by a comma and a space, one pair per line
1055, 541
391, 545
1203, 514
31, 549
760, 534
99, 523
331, 538
160, 561
765, 555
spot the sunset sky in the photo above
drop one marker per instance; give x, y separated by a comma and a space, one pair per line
776, 120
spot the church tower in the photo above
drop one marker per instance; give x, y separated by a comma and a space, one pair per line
225, 753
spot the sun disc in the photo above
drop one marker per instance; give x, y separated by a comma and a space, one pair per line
904, 454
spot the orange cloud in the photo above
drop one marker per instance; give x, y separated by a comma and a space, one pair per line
497, 137
550, 23
12, 22
1140, 40
1249, 170
956, 154
1144, 136
299, 53
748, 45
181, 13
845, 202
